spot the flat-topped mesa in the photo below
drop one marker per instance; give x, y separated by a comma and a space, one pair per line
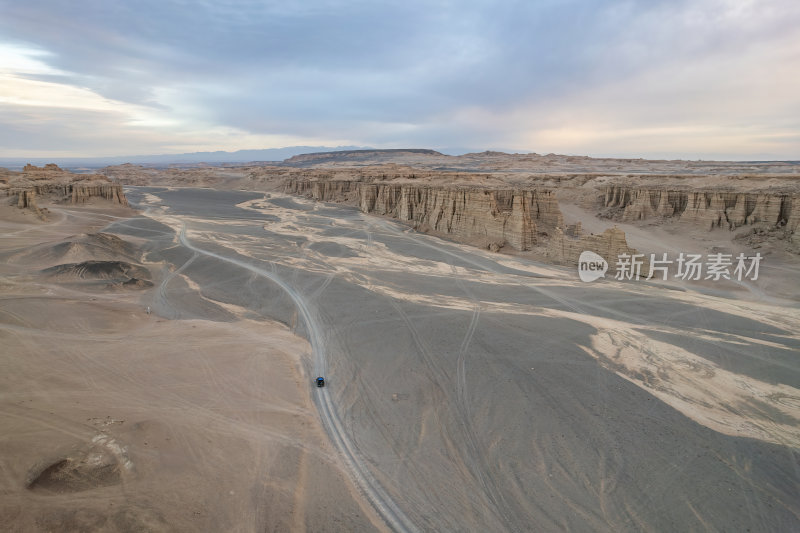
82, 192
55, 184
485, 217
49, 167
76, 192
708, 209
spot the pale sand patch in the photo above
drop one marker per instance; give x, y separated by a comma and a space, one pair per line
695, 386
722, 400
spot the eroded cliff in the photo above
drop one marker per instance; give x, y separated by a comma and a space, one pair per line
705, 209
485, 217
564, 249
57, 185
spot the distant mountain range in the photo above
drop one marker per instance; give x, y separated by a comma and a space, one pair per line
239, 156
297, 156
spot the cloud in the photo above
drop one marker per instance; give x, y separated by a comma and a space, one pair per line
576, 76
40, 131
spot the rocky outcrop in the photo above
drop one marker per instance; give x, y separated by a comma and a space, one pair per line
484, 217
707, 209
55, 184
75, 193
611, 244
26, 198
45, 172
82, 192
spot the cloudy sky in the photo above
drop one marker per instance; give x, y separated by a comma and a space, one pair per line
657, 78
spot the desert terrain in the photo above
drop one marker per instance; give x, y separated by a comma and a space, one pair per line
159, 357
551, 207
194, 416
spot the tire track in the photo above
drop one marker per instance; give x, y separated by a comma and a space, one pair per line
161, 294
470, 448
461, 363
384, 505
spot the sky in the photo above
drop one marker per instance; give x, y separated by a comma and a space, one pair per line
699, 79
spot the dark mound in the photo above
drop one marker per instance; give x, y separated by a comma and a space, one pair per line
135, 283
77, 474
84, 247
119, 271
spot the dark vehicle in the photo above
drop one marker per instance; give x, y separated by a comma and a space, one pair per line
320, 382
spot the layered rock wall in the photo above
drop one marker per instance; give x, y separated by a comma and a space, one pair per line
81, 192
75, 193
26, 199
486, 217
707, 209
611, 244
55, 184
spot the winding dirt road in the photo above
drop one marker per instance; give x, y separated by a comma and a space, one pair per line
385, 506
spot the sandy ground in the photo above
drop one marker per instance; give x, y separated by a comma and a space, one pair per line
467, 391
471, 391
115, 420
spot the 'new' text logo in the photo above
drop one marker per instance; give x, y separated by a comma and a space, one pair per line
591, 266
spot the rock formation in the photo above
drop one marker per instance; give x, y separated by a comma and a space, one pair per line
561, 249
34, 172
707, 209
485, 217
53, 183
81, 192
26, 198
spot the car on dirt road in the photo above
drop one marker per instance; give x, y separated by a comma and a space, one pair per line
320, 382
